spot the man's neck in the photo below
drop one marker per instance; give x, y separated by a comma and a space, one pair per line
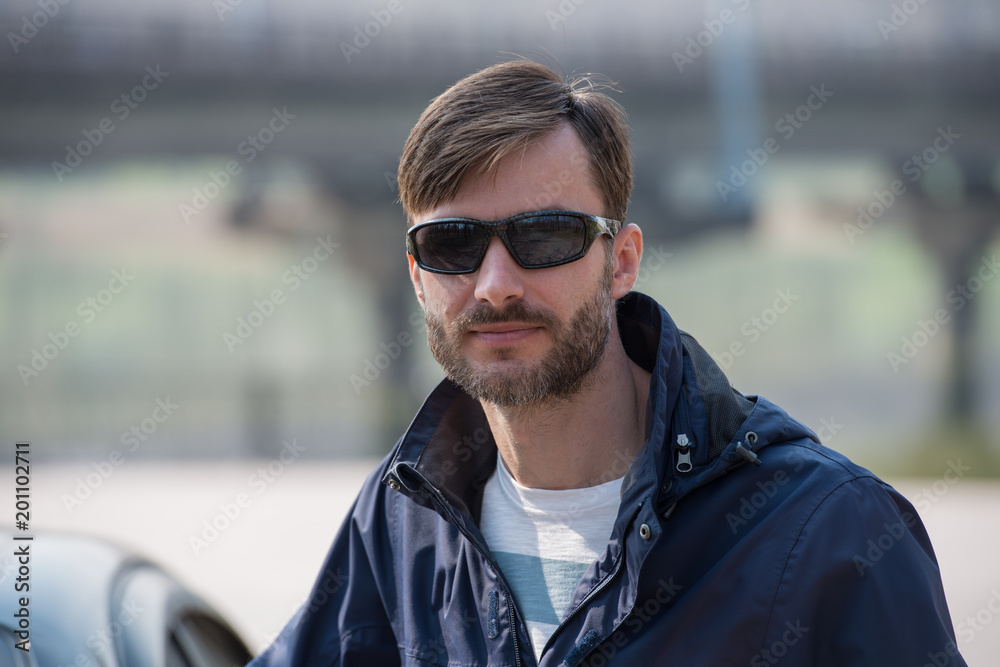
585, 440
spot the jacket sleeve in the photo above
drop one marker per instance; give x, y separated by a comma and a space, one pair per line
344, 622
861, 586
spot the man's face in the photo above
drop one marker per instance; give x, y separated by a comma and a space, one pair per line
513, 336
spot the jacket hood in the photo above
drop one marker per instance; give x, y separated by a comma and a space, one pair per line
697, 428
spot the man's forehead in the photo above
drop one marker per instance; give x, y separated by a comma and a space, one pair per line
551, 173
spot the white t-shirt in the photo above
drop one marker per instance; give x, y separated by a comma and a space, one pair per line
544, 541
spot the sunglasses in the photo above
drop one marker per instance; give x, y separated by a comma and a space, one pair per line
535, 240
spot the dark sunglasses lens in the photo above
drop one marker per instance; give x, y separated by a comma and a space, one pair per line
450, 246
546, 239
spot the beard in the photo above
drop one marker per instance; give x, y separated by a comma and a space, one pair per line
577, 349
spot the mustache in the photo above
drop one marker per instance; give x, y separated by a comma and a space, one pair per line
482, 313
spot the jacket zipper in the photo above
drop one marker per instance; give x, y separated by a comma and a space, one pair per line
684, 443
600, 586
684, 453
447, 509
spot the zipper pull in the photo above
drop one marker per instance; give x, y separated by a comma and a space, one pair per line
684, 453
747, 452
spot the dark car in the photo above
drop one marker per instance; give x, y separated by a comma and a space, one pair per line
93, 604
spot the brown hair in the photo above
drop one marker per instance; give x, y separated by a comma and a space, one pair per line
503, 108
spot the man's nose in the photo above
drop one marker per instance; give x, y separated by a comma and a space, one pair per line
499, 278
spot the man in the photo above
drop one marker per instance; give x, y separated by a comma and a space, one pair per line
586, 488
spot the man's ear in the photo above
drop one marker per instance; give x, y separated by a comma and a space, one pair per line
418, 284
627, 254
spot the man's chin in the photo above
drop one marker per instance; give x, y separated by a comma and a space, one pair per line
499, 372
506, 383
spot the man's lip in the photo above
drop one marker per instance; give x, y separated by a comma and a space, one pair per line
506, 334
503, 327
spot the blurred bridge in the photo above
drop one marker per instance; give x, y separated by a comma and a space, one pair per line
705, 84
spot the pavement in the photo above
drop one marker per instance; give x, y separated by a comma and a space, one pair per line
250, 536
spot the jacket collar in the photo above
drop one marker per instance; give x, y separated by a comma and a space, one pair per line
449, 450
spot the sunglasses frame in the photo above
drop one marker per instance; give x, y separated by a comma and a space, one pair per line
595, 226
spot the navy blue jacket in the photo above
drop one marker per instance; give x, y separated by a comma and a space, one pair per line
748, 543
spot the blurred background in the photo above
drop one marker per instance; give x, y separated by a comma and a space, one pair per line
202, 272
